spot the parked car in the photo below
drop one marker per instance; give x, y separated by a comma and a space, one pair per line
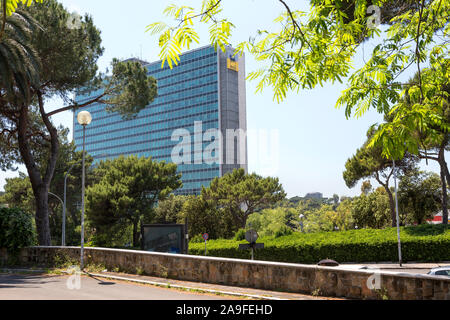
441, 271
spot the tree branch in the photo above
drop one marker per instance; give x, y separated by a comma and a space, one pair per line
54, 142
75, 106
295, 22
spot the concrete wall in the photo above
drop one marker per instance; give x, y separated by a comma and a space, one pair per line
328, 281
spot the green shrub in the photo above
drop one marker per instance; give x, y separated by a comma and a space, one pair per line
420, 243
239, 235
283, 231
16, 229
197, 239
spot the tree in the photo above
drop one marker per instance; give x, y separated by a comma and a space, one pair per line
372, 210
268, 222
19, 193
67, 58
429, 140
368, 162
19, 63
319, 47
169, 210
342, 218
127, 192
366, 187
319, 219
204, 217
419, 196
242, 194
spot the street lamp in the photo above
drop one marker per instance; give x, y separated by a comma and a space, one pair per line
84, 118
397, 216
63, 238
63, 205
301, 217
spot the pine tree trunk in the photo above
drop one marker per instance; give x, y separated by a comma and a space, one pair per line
42, 218
40, 190
40, 183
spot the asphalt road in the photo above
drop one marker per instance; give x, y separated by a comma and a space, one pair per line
56, 287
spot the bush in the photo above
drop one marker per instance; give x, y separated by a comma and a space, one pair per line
197, 239
239, 235
419, 243
283, 231
16, 229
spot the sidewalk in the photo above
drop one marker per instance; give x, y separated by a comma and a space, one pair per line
238, 292
410, 267
248, 293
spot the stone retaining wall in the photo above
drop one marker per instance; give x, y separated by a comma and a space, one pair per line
307, 279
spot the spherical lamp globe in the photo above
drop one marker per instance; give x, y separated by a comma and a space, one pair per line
84, 118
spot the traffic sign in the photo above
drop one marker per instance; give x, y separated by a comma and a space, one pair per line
205, 236
251, 236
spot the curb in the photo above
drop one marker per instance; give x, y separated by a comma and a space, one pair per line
22, 270
163, 284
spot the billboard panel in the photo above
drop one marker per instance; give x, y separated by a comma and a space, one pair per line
164, 238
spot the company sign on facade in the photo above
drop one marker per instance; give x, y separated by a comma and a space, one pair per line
232, 65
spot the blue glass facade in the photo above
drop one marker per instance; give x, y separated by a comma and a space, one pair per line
187, 93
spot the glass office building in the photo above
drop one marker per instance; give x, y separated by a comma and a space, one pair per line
203, 93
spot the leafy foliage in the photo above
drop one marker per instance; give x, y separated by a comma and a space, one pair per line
239, 235
242, 194
67, 56
19, 193
16, 229
129, 88
20, 65
203, 216
268, 222
419, 196
311, 49
372, 210
126, 193
170, 209
10, 6
419, 243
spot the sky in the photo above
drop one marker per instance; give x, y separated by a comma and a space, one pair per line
314, 138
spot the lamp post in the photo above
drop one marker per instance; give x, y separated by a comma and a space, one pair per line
84, 118
397, 217
63, 205
301, 217
63, 238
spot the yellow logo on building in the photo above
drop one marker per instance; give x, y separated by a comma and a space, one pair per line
233, 65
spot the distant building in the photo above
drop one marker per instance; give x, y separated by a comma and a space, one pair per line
437, 219
314, 195
204, 93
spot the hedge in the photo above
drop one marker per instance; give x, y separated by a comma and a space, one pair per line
430, 243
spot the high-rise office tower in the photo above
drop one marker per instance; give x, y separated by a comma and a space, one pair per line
197, 120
